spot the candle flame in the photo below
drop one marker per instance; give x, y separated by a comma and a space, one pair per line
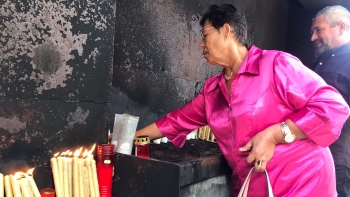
19, 175
63, 154
86, 153
77, 152
92, 149
30, 172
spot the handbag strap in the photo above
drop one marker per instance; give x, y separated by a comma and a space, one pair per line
244, 189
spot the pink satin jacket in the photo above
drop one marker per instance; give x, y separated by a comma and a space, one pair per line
269, 88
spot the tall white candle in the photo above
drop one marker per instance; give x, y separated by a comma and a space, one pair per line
26, 184
56, 177
91, 180
75, 176
1, 185
8, 189
65, 176
24, 187
94, 176
70, 176
86, 181
81, 177
60, 172
33, 186
15, 186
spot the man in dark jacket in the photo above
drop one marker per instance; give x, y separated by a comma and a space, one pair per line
330, 35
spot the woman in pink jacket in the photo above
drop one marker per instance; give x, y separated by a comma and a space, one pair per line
266, 110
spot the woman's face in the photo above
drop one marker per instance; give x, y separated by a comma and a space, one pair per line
212, 43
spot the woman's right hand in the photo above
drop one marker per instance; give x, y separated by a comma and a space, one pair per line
262, 147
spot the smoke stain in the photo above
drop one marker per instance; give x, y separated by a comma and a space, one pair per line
47, 58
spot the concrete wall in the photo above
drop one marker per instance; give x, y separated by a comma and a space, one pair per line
270, 24
219, 186
157, 63
298, 42
55, 70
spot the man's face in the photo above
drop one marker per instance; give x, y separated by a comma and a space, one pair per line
323, 35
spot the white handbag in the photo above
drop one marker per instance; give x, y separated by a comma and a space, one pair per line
244, 190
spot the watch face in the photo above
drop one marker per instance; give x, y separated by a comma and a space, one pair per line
289, 137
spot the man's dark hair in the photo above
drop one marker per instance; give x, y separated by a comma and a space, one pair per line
227, 13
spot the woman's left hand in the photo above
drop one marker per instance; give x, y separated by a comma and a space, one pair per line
262, 147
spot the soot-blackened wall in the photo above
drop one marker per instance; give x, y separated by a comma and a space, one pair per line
158, 64
55, 77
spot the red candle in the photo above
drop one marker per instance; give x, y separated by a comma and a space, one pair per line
142, 146
47, 192
105, 164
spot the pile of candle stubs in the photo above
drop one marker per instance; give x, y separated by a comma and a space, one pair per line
75, 174
190, 136
19, 184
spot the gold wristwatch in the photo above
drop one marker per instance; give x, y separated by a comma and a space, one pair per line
288, 136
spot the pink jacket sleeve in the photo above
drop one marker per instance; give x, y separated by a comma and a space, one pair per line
180, 122
320, 110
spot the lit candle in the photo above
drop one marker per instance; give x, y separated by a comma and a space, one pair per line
94, 176
60, 172
1, 185
91, 180
24, 186
81, 177
56, 177
76, 188
86, 181
8, 189
65, 176
70, 175
24, 181
93, 173
32, 183
15, 186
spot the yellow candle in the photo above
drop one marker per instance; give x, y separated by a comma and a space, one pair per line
56, 177
15, 186
75, 176
33, 186
70, 177
86, 181
91, 180
81, 177
26, 184
94, 176
65, 176
1, 185
60, 172
8, 189
24, 187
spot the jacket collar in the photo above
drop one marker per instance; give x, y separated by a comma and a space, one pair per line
250, 65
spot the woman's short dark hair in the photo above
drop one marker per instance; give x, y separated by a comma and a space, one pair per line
227, 13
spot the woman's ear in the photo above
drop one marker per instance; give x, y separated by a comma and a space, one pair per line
226, 30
